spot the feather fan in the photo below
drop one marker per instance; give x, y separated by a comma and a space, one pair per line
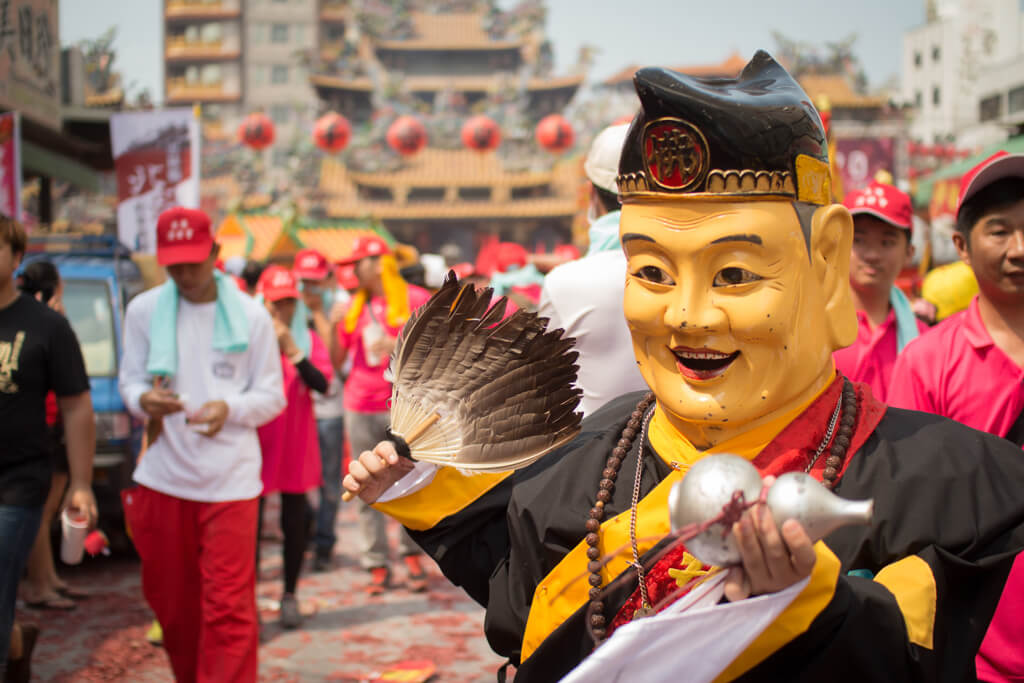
475, 390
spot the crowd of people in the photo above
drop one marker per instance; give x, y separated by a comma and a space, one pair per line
709, 317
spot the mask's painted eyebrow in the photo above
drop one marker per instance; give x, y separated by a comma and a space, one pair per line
630, 236
753, 239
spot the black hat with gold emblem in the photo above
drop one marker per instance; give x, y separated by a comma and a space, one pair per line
753, 136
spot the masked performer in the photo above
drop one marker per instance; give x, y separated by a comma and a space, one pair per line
737, 294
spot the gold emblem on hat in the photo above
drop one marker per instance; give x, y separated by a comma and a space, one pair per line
675, 153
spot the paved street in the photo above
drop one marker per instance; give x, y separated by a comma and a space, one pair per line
348, 636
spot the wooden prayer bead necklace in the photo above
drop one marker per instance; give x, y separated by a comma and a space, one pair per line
846, 405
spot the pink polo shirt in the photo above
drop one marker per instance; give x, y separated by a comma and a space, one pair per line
366, 390
957, 371
871, 358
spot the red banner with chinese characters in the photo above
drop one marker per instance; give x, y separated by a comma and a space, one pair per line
10, 165
859, 159
156, 163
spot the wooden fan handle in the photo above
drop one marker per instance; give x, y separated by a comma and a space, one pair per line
416, 432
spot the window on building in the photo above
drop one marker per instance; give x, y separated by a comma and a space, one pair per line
425, 194
917, 59
258, 34
279, 33
211, 74
281, 113
279, 74
300, 34
382, 194
211, 33
936, 53
192, 75
990, 108
936, 96
530, 192
918, 99
475, 194
1015, 102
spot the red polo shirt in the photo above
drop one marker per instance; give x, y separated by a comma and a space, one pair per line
956, 370
871, 358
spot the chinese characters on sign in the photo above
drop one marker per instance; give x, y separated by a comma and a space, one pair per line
29, 59
10, 166
156, 162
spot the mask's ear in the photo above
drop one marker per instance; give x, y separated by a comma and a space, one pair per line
831, 242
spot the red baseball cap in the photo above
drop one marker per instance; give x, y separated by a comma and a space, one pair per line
1000, 165
366, 246
277, 283
345, 273
884, 202
183, 236
310, 264
463, 270
511, 254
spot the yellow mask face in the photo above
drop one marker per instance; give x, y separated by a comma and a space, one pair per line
730, 319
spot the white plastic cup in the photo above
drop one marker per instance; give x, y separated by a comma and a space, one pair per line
74, 529
372, 333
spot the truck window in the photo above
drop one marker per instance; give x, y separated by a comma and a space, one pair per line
89, 310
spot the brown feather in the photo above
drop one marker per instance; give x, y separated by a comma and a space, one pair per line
504, 387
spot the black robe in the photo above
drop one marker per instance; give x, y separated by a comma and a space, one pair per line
945, 492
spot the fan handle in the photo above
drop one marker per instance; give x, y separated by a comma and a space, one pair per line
416, 432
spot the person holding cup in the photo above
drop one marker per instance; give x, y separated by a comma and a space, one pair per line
38, 354
380, 306
201, 365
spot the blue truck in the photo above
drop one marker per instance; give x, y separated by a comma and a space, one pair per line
100, 278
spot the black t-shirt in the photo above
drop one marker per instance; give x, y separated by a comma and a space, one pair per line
38, 353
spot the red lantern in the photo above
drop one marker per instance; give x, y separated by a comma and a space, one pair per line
256, 131
481, 133
407, 135
555, 134
332, 132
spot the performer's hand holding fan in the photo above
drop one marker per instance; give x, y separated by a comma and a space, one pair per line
474, 390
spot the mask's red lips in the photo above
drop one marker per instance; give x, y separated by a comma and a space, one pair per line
702, 364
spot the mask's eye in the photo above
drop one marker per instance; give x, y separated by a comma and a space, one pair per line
734, 276
654, 274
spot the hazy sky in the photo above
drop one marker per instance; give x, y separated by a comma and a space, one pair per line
646, 32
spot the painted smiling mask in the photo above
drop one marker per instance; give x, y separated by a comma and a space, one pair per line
737, 280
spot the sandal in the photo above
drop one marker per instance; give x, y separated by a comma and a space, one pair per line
73, 593
58, 603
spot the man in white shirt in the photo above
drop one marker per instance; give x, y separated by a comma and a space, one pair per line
201, 364
584, 297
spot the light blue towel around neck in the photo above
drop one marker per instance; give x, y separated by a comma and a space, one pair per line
230, 326
906, 321
604, 233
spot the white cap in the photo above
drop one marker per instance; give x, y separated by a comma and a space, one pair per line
602, 164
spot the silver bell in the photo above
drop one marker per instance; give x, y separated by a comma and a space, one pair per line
711, 483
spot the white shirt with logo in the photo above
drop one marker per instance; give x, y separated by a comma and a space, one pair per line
182, 462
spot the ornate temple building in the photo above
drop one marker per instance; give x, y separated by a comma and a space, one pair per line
443, 61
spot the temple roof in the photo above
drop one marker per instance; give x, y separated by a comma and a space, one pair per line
838, 91
460, 83
732, 65
263, 236
448, 31
452, 170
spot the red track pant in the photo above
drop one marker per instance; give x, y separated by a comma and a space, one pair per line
199, 576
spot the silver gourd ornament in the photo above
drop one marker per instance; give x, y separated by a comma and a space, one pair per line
707, 487
711, 483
